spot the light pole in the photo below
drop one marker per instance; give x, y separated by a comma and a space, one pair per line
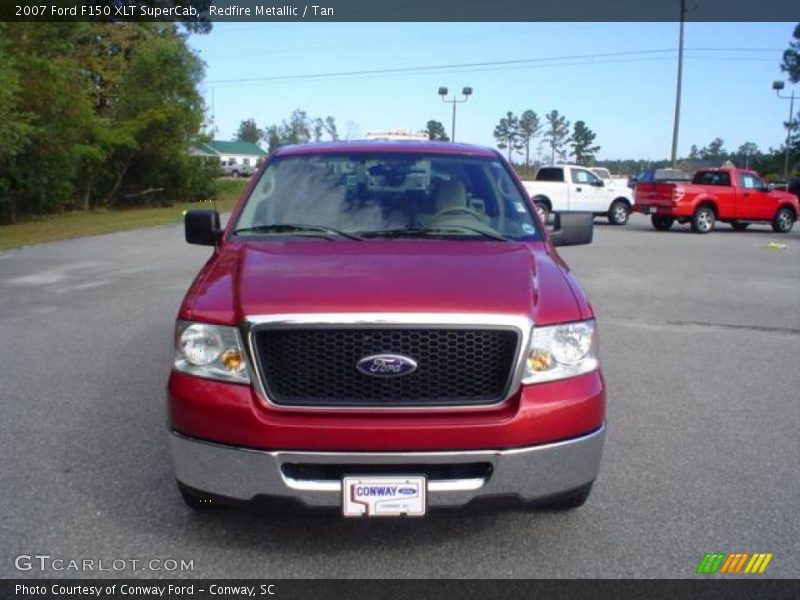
778, 86
467, 92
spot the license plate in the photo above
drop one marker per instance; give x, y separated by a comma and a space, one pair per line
651, 210
401, 496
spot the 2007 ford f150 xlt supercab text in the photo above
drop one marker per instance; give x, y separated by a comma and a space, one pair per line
383, 328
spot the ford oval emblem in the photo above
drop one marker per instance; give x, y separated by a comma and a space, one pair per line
386, 365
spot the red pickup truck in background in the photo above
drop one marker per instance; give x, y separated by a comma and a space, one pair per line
734, 196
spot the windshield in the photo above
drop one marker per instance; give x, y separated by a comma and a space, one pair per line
398, 195
671, 175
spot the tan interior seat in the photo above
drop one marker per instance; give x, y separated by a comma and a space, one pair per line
453, 203
450, 194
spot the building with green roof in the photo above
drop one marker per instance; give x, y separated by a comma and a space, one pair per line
245, 154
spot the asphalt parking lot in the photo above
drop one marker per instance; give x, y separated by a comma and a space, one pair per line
700, 338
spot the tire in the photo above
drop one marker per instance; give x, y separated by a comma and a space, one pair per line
739, 226
703, 219
543, 210
619, 212
196, 500
571, 501
661, 223
784, 220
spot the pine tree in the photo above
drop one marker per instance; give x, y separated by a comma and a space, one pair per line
436, 131
582, 144
529, 128
556, 134
249, 132
506, 132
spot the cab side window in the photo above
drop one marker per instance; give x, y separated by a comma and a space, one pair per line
583, 176
721, 178
750, 182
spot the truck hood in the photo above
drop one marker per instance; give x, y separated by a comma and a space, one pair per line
246, 278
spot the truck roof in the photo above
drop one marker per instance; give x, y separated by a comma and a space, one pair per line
731, 170
727, 169
391, 146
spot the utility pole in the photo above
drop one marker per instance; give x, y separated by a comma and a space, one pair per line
467, 91
453, 126
678, 90
213, 115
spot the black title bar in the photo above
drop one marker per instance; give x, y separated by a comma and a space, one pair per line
388, 589
203, 11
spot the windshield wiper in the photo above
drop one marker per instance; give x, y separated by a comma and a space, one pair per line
390, 233
483, 232
428, 231
296, 228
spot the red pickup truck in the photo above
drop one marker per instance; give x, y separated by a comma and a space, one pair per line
384, 327
734, 196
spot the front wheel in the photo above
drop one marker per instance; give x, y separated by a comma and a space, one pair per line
619, 212
542, 211
703, 219
784, 220
661, 223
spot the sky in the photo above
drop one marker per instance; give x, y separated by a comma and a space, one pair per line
620, 78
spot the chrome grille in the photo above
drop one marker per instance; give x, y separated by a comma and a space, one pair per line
315, 366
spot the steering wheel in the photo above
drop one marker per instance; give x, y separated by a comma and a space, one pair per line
456, 210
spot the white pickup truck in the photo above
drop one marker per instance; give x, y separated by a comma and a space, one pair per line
564, 188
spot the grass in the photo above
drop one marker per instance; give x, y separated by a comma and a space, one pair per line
79, 224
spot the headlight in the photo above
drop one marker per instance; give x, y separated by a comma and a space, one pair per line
210, 351
561, 351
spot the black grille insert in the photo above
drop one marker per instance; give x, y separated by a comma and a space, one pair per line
433, 471
317, 366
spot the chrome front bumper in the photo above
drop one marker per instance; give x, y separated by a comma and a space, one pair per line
532, 473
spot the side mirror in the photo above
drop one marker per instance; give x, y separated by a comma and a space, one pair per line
572, 228
599, 183
201, 227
